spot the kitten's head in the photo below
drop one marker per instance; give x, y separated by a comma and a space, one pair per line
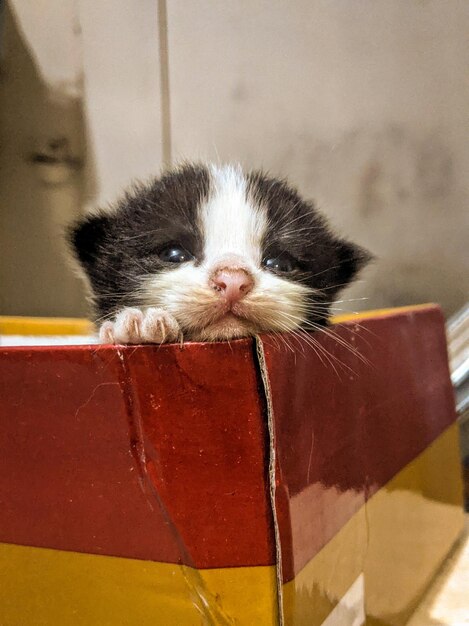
227, 254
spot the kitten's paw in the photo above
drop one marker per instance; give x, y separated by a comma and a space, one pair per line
159, 326
136, 326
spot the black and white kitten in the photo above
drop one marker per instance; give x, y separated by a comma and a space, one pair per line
209, 253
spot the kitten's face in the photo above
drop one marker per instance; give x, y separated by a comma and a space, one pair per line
228, 255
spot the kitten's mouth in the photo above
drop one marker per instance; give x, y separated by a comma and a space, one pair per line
235, 313
231, 318
229, 324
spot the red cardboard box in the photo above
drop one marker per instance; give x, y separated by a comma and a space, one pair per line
315, 481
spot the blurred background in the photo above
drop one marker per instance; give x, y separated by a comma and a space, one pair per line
363, 105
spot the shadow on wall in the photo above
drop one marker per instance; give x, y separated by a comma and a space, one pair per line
42, 184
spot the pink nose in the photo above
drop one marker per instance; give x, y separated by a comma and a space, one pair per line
232, 284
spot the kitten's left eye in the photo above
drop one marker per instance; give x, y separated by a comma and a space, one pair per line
175, 254
283, 263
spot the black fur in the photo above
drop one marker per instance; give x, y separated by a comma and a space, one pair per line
116, 248
327, 262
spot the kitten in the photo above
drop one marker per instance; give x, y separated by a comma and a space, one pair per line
208, 253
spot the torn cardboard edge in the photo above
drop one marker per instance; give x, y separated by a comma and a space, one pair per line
211, 610
262, 368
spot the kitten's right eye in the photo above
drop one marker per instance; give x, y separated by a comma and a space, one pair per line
175, 253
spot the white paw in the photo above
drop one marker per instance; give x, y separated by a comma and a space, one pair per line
133, 325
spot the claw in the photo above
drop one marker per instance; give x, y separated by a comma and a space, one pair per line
163, 330
133, 325
106, 333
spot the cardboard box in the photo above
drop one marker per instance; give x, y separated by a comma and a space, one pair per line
253, 482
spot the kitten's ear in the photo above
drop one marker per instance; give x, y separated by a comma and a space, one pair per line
87, 237
351, 259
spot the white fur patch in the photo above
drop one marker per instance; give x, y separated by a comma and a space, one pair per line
233, 230
231, 226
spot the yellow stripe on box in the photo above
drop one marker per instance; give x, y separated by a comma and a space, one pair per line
45, 326
18, 325
399, 539
44, 587
378, 313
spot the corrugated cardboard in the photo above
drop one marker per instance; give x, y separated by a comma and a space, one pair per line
269, 481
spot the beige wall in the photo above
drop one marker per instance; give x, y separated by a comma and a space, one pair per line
88, 72
364, 105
